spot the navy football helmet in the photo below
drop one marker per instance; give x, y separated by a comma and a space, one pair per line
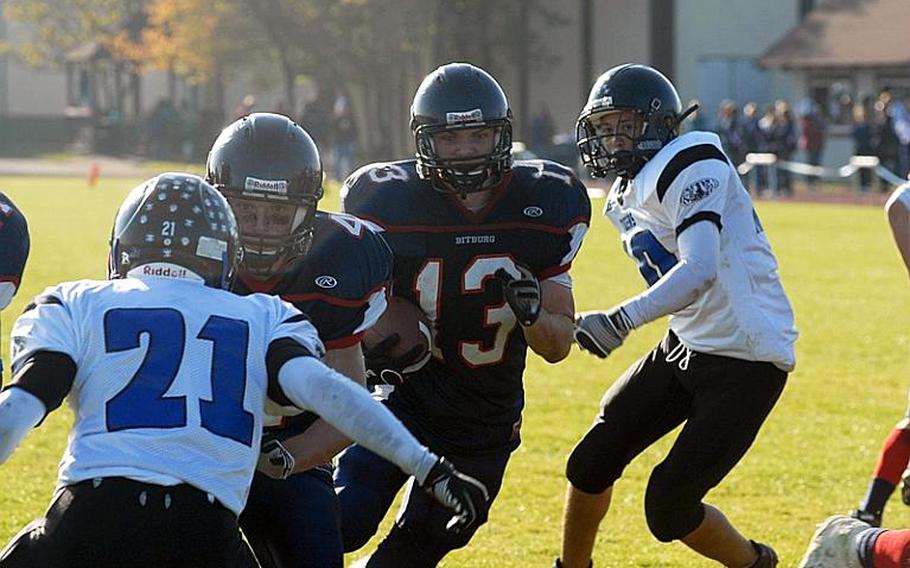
455, 97
646, 113
269, 169
178, 219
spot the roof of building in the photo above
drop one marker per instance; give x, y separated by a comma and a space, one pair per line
846, 33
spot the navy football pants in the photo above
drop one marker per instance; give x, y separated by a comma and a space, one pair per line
294, 522
367, 484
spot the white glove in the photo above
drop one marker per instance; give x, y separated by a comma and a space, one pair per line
601, 333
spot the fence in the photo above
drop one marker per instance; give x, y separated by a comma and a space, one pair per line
757, 163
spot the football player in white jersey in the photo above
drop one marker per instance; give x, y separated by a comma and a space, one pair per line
168, 375
685, 218
895, 451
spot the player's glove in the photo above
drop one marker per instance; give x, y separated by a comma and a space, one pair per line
462, 493
275, 460
385, 368
601, 333
522, 294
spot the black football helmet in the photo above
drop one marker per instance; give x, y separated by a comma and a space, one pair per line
459, 96
266, 158
654, 104
178, 219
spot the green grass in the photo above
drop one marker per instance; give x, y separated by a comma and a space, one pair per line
813, 457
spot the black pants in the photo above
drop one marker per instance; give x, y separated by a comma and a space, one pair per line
117, 522
723, 402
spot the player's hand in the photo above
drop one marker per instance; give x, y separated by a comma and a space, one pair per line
601, 333
385, 368
522, 294
462, 493
275, 460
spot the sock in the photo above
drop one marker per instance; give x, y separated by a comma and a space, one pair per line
866, 544
877, 495
895, 454
891, 549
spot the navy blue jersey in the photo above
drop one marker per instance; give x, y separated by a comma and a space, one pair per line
14, 245
471, 392
342, 283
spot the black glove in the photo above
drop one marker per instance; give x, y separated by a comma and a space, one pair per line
522, 294
275, 460
383, 367
459, 492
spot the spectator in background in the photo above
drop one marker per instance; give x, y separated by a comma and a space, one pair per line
728, 129
783, 143
812, 136
245, 107
884, 137
753, 141
900, 119
862, 142
316, 119
345, 138
542, 131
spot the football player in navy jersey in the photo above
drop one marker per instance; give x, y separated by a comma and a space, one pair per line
14, 245
684, 216
484, 247
334, 268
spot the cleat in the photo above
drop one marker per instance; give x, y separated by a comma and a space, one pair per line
867, 517
834, 544
767, 558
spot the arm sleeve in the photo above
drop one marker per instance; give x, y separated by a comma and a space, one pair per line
699, 250
47, 324
20, 411
311, 385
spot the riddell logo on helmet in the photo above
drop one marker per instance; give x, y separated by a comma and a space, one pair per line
171, 271
274, 186
475, 115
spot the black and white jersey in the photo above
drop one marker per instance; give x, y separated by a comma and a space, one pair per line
745, 312
171, 381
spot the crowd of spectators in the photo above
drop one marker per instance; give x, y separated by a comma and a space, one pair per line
879, 126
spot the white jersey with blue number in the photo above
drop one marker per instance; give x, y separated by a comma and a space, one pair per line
171, 378
745, 312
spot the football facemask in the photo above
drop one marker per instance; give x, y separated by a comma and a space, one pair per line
274, 234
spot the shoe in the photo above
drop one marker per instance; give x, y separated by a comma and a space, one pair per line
558, 563
767, 558
834, 544
867, 517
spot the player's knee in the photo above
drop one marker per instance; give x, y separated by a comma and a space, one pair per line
671, 514
588, 469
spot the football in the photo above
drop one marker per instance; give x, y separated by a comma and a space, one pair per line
407, 320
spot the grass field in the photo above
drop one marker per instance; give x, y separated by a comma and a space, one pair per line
813, 457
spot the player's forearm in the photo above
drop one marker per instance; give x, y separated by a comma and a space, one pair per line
20, 411
699, 250
311, 385
319, 444
550, 336
899, 220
